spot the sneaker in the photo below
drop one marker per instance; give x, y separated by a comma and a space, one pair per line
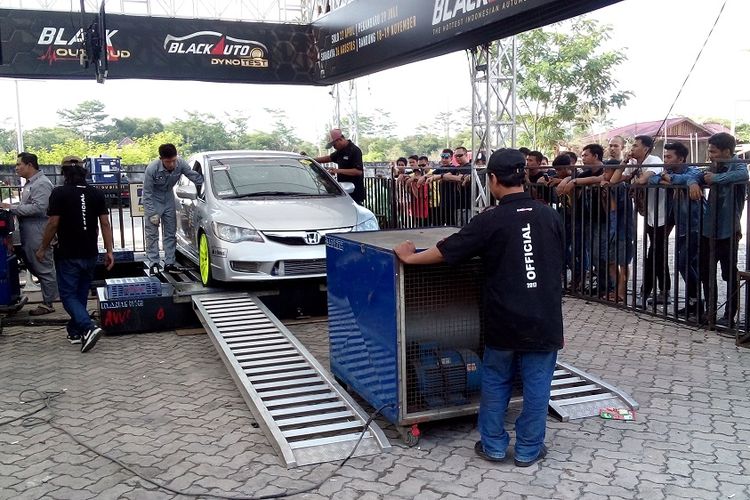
154, 269
724, 321
542, 454
479, 450
90, 338
172, 269
74, 339
661, 299
41, 310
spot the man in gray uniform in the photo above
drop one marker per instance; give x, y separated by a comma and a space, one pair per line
31, 212
158, 204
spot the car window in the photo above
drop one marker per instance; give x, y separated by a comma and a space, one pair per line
247, 177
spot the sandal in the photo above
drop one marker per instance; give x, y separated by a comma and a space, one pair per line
41, 309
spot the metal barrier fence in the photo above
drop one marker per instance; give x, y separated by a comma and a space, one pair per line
652, 248
127, 230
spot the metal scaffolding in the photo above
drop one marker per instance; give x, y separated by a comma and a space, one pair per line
285, 11
493, 107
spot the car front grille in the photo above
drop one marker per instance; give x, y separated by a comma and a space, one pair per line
244, 266
303, 267
292, 240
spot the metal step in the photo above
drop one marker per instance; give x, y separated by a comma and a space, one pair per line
307, 417
576, 394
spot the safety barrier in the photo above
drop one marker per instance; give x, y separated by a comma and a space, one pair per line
655, 248
641, 247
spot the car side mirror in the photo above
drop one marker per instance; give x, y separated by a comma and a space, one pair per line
347, 186
187, 192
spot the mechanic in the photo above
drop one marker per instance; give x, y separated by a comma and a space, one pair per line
159, 205
520, 242
348, 157
31, 212
75, 209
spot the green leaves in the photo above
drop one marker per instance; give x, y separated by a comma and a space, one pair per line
566, 82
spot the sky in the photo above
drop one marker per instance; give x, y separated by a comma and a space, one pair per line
659, 40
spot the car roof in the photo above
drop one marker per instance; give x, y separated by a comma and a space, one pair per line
248, 153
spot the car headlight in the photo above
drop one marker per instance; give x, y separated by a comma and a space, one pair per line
370, 224
234, 234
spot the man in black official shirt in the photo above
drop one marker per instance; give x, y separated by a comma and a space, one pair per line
348, 157
76, 210
521, 245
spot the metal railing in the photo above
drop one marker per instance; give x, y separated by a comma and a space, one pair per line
649, 248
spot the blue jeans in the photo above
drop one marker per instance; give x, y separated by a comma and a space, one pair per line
498, 370
73, 282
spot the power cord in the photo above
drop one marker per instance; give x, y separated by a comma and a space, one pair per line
46, 398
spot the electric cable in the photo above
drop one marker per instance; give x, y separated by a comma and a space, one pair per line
695, 63
47, 397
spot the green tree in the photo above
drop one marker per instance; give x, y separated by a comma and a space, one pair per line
565, 81
741, 129
201, 132
88, 120
146, 148
134, 128
45, 138
7, 140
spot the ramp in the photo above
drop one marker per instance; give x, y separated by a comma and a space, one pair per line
576, 394
307, 417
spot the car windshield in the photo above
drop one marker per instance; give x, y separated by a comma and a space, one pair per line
259, 177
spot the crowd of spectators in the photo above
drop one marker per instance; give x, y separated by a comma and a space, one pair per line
600, 194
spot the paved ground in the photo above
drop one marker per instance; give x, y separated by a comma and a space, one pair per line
165, 404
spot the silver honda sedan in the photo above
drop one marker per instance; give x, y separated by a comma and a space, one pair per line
262, 215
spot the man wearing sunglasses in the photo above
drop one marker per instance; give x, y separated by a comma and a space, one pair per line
348, 158
449, 179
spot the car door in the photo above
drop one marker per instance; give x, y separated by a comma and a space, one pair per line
186, 211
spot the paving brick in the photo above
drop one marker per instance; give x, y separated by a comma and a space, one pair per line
185, 423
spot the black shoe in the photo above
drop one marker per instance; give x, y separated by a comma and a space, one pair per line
724, 321
172, 269
542, 454
154, 269
74, 339
692, 310
479, 450
90, 338
661, 299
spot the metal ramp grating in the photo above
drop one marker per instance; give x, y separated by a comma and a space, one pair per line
576, 394
304, 413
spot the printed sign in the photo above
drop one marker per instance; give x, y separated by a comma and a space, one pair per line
136, 200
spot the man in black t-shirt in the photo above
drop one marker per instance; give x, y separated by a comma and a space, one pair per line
520, 242
348, 157
74, 211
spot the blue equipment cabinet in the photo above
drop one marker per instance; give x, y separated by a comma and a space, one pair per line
409, 338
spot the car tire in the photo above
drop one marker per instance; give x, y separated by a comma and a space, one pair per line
204, 260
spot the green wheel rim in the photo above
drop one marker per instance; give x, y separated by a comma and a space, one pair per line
205, 264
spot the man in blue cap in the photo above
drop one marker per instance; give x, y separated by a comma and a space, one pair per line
520, 242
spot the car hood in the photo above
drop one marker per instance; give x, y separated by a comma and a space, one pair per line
294, 214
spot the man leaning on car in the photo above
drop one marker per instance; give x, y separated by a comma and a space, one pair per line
348, 157
158, 204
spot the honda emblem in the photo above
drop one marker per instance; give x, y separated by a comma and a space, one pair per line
312, 238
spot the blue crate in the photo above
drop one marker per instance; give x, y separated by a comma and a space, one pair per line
131, 288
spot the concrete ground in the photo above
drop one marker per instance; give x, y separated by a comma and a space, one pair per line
164, 404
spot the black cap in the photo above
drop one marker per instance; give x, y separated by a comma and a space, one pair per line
506, 161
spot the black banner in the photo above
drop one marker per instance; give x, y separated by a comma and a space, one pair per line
44, 44
367, 36
360, 38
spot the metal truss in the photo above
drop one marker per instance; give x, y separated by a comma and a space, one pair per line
287, 11
493, 107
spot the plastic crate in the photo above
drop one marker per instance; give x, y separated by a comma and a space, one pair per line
130, 288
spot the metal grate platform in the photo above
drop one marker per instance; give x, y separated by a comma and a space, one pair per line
576, 394
304, 413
